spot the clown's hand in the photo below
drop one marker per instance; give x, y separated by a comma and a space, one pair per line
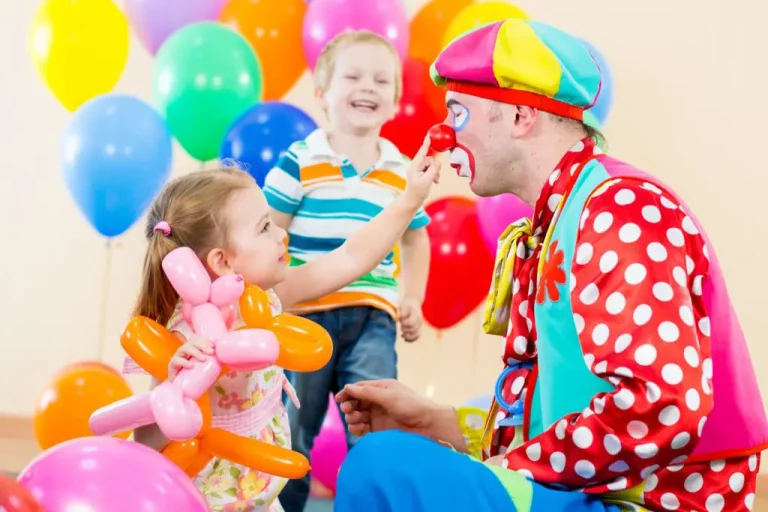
422, 173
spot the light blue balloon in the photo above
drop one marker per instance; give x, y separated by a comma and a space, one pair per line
604, 104
116, 154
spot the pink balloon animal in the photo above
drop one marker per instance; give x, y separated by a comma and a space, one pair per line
208, 308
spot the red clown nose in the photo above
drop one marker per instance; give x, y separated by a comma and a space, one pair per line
441, 138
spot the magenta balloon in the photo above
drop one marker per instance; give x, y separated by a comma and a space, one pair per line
325, 19
330, 447
495, 213
155, 20
105, 473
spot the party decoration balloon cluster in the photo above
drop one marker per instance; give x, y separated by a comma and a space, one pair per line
216, 61
180, 407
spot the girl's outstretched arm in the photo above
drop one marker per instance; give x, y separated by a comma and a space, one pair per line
364, 250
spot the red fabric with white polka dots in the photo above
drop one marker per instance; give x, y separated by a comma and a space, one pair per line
636, 294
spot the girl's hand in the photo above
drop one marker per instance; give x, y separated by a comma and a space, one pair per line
196, 348
422, 173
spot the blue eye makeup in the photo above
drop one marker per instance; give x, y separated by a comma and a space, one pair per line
459, 116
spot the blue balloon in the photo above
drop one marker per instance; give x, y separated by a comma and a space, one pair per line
604, 103
260, 136
116, 155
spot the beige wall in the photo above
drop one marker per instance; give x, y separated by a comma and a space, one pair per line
690, 107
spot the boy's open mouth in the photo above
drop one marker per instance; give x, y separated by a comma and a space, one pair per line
365, 106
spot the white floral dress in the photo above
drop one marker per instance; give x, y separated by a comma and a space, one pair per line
238, 401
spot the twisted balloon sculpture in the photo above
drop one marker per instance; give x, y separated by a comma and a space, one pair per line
181, 407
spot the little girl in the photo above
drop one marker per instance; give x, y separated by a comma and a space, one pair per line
224, 217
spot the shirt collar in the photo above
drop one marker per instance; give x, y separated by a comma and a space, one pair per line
319, 147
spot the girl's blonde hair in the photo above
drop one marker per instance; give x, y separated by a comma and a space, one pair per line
327, 58
194, 207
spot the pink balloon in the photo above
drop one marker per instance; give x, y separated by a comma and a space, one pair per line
155, 20
105, 473
325, 19
330, 448
495, 213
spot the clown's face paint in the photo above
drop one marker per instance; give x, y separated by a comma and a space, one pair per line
460, 157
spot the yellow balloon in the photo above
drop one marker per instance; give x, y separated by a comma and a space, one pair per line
79, 47
475, 15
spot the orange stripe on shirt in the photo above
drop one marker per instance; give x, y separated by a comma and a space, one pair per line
387, 179
345, 299
319, 173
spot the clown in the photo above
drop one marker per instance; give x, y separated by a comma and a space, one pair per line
623, 354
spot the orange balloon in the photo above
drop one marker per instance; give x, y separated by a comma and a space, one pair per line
97, 364
428, 28
255, 308
255, 454
64, 408
304, 345
150, 344
273, 28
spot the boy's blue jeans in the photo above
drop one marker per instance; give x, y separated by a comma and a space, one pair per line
363, 349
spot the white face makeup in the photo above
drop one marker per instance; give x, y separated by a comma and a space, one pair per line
460, 157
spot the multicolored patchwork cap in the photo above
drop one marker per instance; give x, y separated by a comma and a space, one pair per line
521, 62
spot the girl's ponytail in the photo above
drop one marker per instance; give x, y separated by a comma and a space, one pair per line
157, 299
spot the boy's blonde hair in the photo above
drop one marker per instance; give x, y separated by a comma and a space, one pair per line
327, 58
193, 206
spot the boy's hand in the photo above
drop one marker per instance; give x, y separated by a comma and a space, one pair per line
410, 317
196, 348
422, 172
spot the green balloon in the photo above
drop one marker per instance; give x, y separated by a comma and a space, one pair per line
205, 76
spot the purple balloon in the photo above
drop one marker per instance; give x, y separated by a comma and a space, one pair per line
155, 20
325, 19
495, 213
105, 473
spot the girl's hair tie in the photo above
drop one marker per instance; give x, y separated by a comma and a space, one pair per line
163, 227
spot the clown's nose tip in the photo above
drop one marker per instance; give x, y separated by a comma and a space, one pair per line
441, 138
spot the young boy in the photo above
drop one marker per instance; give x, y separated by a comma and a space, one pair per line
323, 190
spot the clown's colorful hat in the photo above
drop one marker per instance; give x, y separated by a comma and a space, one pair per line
522, 62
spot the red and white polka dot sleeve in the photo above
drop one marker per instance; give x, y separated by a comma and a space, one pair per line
635, 292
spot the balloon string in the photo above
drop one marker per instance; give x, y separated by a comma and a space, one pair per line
104, 300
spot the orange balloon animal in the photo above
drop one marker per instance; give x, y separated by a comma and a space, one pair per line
304, 347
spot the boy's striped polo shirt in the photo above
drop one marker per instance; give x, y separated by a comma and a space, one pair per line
329, 201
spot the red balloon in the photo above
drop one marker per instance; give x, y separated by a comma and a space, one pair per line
14, 497
414, 115
461, 268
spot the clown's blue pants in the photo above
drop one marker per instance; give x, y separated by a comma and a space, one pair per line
398, 472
